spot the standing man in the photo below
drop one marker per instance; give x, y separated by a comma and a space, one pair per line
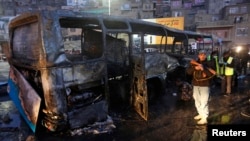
244, 60
214, 64
202, 74
228, 71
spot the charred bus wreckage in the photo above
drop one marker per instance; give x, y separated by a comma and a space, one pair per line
66, 68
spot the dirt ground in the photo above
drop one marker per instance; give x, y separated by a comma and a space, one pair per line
169, 119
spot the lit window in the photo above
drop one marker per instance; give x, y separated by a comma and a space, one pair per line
243, 9
242, 32
233, 10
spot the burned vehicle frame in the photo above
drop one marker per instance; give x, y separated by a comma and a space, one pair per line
66, 67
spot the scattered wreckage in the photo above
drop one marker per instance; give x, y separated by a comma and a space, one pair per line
66, 68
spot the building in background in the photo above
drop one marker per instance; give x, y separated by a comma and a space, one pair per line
230, 29
227, 20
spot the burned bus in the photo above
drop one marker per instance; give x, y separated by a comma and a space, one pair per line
66, 68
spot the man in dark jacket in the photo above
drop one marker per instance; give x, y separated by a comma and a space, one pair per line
202, 74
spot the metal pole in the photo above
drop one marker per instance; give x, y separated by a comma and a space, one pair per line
109, 7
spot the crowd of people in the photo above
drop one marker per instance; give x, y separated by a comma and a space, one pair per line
206, 73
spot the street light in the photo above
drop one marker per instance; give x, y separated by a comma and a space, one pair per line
238, 49
109, 7
76, 5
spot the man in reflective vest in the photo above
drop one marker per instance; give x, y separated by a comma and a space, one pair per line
216, 60
228, 72
214, 63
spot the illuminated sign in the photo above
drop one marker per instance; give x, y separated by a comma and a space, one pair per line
173, 22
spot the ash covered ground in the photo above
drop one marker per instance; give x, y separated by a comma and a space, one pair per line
169, 118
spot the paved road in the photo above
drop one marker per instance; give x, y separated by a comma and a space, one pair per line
169, 118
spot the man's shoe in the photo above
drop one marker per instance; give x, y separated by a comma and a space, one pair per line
202, 121
198, 117
226, 95
245, 113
